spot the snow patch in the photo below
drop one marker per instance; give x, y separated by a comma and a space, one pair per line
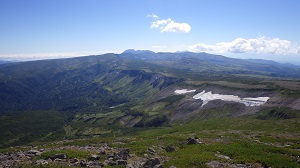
184, 91
248, 101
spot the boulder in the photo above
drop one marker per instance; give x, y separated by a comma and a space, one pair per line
223, 156
102, 152
170, 148
151, 150
41, 162
158, 166
110, 162
73, 160
34, 152
191, 141
121, 162
58, 156
83, 163
93, 157
122, 155
94, 164
150, 163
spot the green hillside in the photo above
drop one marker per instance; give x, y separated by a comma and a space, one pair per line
128, 100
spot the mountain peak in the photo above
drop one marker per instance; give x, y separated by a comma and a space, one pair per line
132, 51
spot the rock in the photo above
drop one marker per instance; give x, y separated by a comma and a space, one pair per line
110, 162
159, 166
102, 152
170, 148
191, 141
58, 156
223, 156
34, 152
57, 160
151, 150
150, 163
82, 163
134, 164
94, 157
95, 164
73, 160
121, 155
110, 157
41, 162
121, 162
172, 166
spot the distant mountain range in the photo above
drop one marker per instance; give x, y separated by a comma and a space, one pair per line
5, 62
200, 62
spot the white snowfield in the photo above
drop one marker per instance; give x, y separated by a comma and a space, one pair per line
208, 96
248, 101
184, 91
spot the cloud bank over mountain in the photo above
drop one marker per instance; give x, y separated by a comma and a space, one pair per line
261, 45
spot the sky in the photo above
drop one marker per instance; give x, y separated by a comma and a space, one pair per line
258, 29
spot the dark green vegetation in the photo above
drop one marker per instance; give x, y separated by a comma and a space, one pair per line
131, 96
23, 127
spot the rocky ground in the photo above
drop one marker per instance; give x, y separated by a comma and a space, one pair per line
111, 156
103, 156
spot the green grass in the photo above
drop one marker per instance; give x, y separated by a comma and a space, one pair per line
30, 126
245, 140
269, 143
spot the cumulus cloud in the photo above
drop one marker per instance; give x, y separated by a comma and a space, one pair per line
168, 25
153, 16
261, 45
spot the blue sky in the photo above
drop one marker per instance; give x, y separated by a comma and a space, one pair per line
266, 29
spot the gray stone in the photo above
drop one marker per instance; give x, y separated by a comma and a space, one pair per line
58, 156
191, 141
41, 162
94, 157
151, 150
110, 162
102, 152
95, 164
124, 154
121, 162
73, 160
158, 166
83, 163
135, 164
170, 148
58, 160
223, 156
34, 152
150, 163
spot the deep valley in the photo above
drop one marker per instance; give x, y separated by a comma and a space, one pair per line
178, 109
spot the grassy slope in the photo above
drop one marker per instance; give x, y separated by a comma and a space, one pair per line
18, 128
245, 140
270, 143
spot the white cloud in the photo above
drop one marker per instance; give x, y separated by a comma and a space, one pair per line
261, 45
168, 25
153, 16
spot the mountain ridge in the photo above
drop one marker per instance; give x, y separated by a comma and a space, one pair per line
110, 93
